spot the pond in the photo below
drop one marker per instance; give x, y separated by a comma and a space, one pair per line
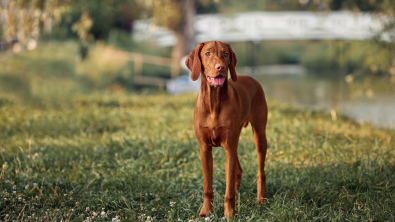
364, 101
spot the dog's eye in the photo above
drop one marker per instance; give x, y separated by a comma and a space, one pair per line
207, 53
226, 54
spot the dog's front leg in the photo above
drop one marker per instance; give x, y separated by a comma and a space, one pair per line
206, 157
230, 173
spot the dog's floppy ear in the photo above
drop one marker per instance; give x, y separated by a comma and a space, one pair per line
232, 64
194, 63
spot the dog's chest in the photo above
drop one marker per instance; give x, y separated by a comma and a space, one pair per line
215, 135
215, 129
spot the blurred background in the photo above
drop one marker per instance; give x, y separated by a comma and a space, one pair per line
334, 55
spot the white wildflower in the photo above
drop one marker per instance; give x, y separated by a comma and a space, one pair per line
116, 219
172, 204
87, 209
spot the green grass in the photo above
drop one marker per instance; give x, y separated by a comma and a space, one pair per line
131, 155
68, 151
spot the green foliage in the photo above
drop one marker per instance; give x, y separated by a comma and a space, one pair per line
350, 56
132, 156
321, 56
363, 5
21, 19
317, 55
268, 52
231, 6
105, 14
122, 40
312, 5
45, 76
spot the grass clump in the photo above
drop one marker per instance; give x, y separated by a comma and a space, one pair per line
135, 158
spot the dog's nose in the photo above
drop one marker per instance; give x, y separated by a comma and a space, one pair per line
219, 67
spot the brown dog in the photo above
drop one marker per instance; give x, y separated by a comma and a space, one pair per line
222, 108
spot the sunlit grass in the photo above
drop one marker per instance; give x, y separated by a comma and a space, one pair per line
136, 156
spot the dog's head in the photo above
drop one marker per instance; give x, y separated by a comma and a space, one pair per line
213, 59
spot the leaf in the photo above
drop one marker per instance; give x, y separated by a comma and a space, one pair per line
78, 219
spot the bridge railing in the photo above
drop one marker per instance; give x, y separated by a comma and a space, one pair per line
257, 26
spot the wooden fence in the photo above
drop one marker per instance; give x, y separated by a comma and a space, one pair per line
4, 46
139, 59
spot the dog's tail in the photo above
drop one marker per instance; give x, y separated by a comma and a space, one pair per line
245, 124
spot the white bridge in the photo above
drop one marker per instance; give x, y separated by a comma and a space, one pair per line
257, 26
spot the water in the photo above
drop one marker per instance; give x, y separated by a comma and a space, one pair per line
364, 101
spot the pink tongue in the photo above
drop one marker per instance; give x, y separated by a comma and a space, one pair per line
217, 80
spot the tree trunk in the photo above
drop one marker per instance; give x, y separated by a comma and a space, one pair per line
185, 35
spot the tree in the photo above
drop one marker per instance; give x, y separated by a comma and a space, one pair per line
21, 19
178, 16
82, 27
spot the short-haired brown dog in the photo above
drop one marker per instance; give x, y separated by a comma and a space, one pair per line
222, 108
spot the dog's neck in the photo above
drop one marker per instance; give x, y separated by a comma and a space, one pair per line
213, 95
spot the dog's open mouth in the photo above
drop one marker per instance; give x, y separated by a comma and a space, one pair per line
219, 80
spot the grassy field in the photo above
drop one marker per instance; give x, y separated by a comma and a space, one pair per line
71, 152
135, 157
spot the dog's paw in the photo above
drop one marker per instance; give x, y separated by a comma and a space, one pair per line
261, 200
206, 209
229, 206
